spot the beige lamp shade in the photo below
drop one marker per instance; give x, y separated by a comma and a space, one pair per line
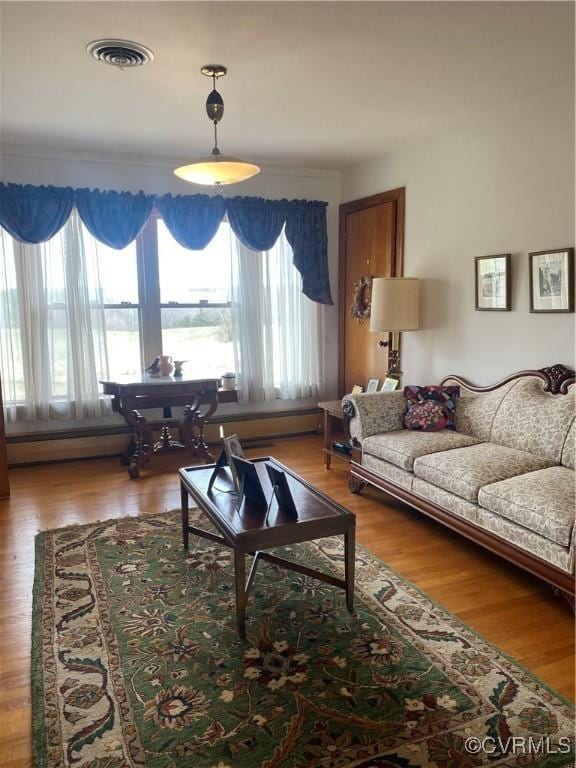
395, 304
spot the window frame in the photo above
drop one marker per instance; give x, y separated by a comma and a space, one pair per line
149, 292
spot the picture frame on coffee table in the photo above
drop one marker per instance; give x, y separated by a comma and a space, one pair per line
552, 280
493, 283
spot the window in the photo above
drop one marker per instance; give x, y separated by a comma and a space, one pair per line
195, 293
74, 312
113, 286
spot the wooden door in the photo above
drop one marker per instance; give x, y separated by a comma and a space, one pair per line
371, 244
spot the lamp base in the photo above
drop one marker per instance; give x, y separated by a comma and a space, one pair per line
394, 370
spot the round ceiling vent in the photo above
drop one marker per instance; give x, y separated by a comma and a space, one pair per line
122, 54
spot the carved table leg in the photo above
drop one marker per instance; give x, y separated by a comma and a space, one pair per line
192, 430
130, 450
144, 442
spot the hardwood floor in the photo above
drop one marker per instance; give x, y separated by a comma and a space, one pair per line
509, 608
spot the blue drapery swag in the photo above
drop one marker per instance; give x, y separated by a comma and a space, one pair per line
35, 214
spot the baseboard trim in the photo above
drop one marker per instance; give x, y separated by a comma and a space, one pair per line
156, 424
112, 441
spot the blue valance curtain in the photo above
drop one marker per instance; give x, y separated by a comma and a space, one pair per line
35, 214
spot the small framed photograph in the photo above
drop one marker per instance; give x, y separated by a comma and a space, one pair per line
233, 449
282, 490
389, 384
357, 389
552, 280
373, 385
250, 486
493, 287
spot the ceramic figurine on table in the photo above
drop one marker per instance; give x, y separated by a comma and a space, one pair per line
178, 368
166, 365
154, 368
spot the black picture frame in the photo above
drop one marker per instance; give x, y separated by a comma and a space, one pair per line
250, 485
221, 463
504, 302
282, 490
537, 261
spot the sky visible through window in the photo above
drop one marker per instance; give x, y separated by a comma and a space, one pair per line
189, 277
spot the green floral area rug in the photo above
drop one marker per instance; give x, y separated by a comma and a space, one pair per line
136, 662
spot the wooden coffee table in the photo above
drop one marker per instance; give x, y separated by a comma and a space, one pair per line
246, 531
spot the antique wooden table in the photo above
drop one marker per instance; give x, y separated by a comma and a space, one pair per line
332, 415
200, 398
246, 529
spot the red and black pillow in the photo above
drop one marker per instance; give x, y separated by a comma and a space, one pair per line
430, 409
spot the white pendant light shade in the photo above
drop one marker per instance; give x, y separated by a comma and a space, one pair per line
217, 170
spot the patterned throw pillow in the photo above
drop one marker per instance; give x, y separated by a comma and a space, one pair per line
439, 411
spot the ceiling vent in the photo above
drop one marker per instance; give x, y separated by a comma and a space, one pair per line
122, 54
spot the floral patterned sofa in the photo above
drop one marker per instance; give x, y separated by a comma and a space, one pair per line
505, 478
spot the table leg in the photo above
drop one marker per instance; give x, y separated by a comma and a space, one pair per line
241, 595
349, 564
192, 429
144, 442
185, 515
327, 439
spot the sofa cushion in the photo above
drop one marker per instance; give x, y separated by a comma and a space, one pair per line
561, 557
542, 501
464, 471
446, 500
475, 411
426, 417
569, 449
533, 420
444, 397
388, 471
403, 446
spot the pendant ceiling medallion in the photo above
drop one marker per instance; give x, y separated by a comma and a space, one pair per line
216, 169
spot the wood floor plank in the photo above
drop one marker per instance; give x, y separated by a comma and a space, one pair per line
509, 608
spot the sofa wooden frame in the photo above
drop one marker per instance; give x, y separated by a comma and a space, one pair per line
556, 379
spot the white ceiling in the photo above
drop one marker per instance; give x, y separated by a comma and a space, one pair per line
312, 84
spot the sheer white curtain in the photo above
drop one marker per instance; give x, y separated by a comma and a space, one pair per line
275, 327
52, 327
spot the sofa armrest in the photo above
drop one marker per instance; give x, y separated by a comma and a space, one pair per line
372, 413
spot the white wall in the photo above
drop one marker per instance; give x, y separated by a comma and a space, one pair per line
38, 165
506, 186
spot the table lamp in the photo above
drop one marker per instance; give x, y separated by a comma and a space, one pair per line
395, 308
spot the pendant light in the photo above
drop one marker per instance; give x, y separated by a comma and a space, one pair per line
216, 169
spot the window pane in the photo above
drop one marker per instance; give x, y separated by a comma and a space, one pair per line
123, 342
200, 336
189, 277
58, 350
112, 274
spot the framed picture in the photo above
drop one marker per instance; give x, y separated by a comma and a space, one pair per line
250, 486
233, 449
373, 385
552, 280
282, 490
357, 389
493, 287
389, 384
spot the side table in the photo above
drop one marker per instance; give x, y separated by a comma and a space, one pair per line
332, 414
199, 398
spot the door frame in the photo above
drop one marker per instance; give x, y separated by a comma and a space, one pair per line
398, 196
